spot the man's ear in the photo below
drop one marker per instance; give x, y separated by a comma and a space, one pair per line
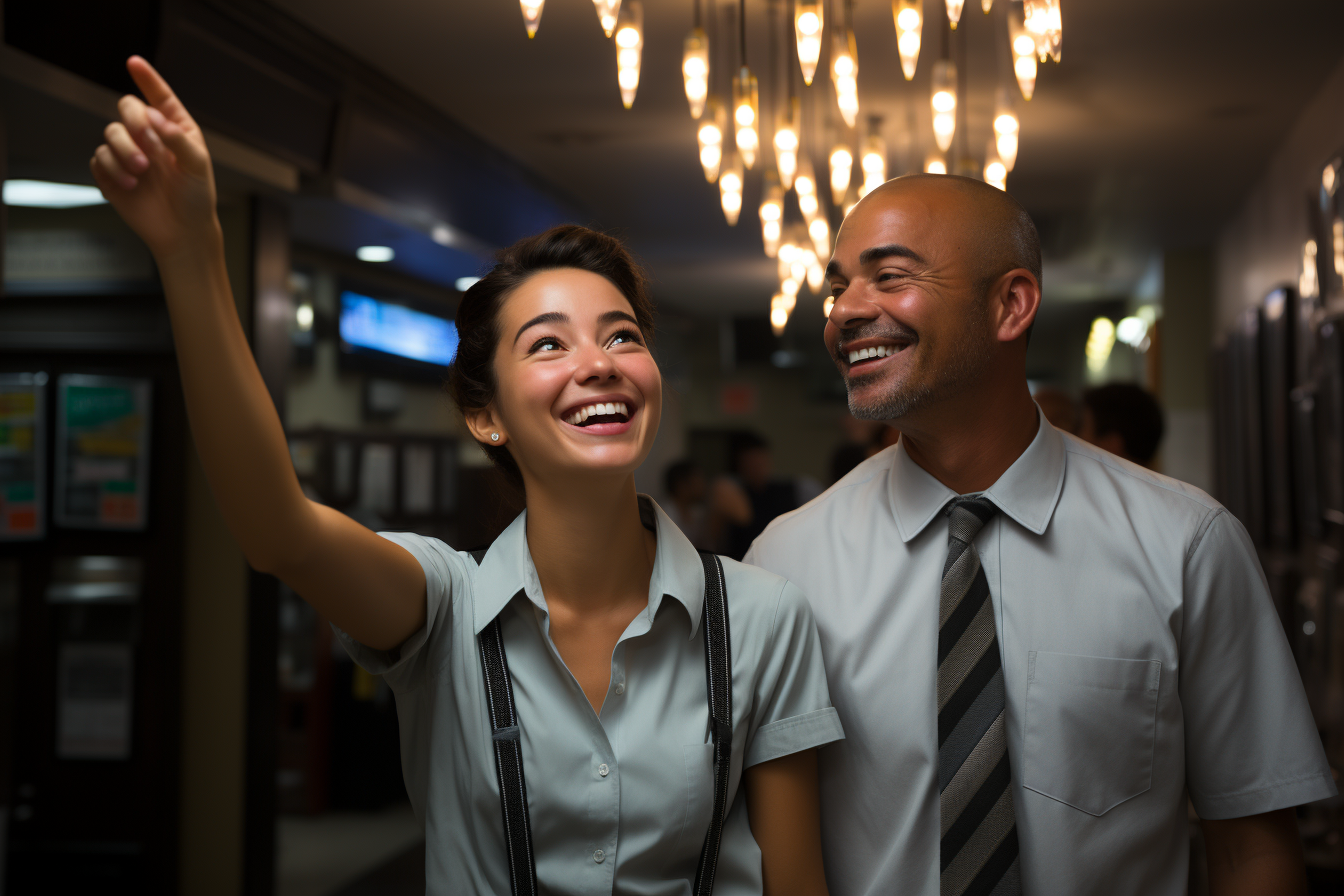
1019, 298
485, 423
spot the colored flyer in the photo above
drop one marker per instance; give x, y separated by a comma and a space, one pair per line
22, 456
102, 452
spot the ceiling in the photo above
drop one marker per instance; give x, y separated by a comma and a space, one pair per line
1156, 122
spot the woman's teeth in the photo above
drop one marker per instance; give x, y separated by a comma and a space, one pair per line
610, 408
877, 351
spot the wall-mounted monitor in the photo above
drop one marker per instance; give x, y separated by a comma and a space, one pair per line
392, 338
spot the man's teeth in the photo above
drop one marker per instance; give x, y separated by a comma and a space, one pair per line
877, 351
598, 410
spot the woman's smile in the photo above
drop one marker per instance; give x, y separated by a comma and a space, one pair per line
602, 415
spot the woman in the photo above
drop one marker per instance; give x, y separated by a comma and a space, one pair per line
598, 599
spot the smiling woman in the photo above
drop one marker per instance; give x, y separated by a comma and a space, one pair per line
560, 675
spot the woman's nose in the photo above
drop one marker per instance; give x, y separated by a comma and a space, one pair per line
595, 363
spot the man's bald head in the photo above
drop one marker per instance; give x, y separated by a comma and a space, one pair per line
996, 231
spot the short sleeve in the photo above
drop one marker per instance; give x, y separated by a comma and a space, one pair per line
1251, 743
791, 703
445, 578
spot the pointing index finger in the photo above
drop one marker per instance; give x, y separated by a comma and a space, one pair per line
156, 91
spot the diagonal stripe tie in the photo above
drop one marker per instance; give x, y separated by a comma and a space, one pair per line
978, 847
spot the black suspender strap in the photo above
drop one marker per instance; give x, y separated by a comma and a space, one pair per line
509, 752
504, 734
719, 682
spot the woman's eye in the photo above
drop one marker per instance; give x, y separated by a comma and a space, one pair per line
625, 336
546, 344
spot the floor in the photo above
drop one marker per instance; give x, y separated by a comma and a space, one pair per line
350, 854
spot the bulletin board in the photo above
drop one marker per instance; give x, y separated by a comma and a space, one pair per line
102, 452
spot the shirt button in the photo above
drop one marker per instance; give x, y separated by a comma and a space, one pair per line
620, 689
602, 769
599, 856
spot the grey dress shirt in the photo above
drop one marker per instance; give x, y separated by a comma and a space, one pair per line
620, 802
1142, 657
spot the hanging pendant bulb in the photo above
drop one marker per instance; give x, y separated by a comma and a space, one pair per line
786, 142
805, 185
1055, 30
629, 48
1024, 53
1042, 21
772, 215
935, 164
820, 231
845, 75
986, 6
788, 253
713, 126
842, 169
995, 171
944, 102
746, 115
779, 313
607, 11
954, 12
826, 305
816, 274
695, 70
532, 15
909, 24
730, 187
1006, 127
873, 160
808, 22
851, 199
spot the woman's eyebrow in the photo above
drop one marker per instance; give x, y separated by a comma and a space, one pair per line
609, 316
550, 317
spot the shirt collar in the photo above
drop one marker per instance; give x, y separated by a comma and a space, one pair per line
1027, 491
507, 570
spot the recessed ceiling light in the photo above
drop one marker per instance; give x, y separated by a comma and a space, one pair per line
465, 283
46, 194
375, 253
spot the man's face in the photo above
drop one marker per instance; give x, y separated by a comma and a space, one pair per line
910, 325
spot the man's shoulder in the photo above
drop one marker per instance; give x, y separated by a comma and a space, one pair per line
1091, 467
861, 488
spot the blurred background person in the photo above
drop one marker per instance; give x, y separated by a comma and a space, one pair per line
1124, 419
753, 488
687, 491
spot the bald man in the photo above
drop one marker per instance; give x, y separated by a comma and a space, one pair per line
1038, 649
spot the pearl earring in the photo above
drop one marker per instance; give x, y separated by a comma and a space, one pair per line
494, 437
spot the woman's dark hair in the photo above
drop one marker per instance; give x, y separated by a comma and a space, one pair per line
471, 378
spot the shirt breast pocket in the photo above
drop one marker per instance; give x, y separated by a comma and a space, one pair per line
1090, 729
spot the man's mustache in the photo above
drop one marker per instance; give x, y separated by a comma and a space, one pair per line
888, 331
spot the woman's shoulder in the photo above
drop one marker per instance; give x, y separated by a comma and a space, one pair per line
438, 559
753, 591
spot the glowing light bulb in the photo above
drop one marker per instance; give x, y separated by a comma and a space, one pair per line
845, 75
695, 70
954, 12
842, 169
779, 315
935, 164
607, 13
944, 102
820, 231
629, 49
710, 137
827, 304
789, 287
1100, 341
1023, 46
909, 23
532, 15
772, 216
1042, 21
746, 112
995, 172
873, 162
730, 188
805, 185
986, 6
808, 24
816, 274
786, 145
1006, 128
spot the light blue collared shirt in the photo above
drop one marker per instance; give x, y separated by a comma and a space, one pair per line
620, 802
1142, 657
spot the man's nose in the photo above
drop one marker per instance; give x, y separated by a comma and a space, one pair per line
851, 309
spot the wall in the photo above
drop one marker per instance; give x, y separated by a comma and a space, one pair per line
1186, 329
1261, 248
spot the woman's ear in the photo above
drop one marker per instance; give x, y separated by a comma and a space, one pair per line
485, 426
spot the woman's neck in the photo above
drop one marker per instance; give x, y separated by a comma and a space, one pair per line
588, 544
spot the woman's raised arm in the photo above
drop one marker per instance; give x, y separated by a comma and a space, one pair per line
155, 170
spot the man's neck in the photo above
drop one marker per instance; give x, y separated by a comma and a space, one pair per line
967, 445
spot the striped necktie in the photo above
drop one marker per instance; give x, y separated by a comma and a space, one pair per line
978, 848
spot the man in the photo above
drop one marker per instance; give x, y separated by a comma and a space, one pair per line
1124, 419
1031, 680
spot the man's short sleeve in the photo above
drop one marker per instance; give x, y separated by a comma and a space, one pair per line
1251, 743
791, 703
445, 577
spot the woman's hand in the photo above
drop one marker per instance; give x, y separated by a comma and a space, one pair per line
155, 169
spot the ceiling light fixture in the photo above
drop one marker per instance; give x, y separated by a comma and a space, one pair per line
772, 215
944, 102
935, 164
954, 12
629, 48
808, 23
909, 23
1042, 21
710, 137
986, 6
827, 304
532, 15
1006, 128
845, 69
48, 194
746, 98
779, 313
805, 185
695, 68
1024, 52
786, 144
375, 254
607, 13
842, 170
730, 188
820, 231
873, 161
995, 171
